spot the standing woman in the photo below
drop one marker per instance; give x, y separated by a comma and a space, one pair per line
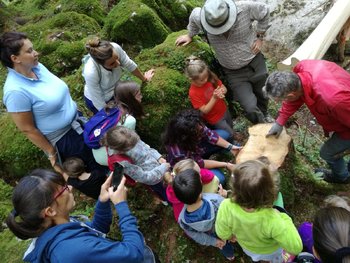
40, 103
42, 204
103, 69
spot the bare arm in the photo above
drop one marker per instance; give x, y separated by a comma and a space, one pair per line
225, 144
25, 123
143, 77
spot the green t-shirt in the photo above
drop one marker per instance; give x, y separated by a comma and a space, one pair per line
262, 231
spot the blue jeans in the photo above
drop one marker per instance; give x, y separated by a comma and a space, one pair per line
210, 149
219, 174
227, 250
332, 147
90, 105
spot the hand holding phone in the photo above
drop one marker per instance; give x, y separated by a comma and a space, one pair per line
117, 175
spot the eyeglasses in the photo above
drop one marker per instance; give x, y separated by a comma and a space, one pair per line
65, 187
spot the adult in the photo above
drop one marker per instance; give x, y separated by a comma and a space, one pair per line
324, 88
228, 27
103, 69
40, 103
187, 137
42, 203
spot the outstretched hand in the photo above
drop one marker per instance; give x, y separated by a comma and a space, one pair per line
275, 130
104, 195
149, 74
118, 195
183, 40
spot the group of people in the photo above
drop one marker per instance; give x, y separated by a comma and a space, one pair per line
186, 178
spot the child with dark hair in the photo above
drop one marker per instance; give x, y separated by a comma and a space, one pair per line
249, 217
186, 136
87, 183
197, 217
331, 234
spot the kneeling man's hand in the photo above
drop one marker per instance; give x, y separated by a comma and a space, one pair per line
275, 130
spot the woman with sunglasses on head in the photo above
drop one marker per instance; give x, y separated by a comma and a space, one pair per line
103, 69
42, 203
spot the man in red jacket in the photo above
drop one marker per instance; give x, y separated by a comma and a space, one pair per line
324, 88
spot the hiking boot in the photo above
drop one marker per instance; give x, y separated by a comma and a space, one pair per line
329, 178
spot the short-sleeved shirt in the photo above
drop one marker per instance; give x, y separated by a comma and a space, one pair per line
47, 97
200, 96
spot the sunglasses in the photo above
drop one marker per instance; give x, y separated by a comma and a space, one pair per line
64, 188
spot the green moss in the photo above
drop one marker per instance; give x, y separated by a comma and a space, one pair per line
91, 8
18, 155
174, 13
60, 40
12, 248
5, 201
131, 21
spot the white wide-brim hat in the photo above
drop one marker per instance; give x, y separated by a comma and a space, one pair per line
218, 16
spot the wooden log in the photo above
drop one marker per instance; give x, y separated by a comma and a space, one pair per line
275, 149
316, 45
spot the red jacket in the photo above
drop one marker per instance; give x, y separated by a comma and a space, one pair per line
326, 88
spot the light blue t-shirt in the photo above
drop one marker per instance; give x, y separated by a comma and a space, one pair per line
48, 99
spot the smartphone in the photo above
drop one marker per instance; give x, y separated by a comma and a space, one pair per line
117, 175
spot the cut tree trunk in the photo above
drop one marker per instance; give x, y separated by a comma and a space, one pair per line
275, 149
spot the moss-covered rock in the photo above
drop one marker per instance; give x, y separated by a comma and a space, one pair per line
60, 40
18, 155
167, 93
11, 248
132, 21
91, 8
174, 13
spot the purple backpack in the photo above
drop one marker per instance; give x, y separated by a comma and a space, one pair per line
98, 125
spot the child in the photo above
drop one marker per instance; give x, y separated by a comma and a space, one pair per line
331, 233
186, 136
305, 229
249, 218
207, 94
209, 180
147, 167
197, 218
87, 183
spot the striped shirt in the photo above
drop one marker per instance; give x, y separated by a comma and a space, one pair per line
234, 51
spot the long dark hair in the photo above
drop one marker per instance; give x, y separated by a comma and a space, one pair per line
124, 95
183, 130
331, 234
10, 44
33, 193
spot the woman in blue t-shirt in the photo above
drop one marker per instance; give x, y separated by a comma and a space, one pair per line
40, 103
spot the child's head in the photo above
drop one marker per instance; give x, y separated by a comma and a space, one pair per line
331, 234
120, 139
337, 201
128, 95
184, 130
187, 186
253, 185
73, 167
180, 167
198, 72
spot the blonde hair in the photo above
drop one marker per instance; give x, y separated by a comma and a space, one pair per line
99, 50
179, 167
120, 138
253, 185
337, 201
195, 66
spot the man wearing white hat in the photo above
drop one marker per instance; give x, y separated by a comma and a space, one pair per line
237, 46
